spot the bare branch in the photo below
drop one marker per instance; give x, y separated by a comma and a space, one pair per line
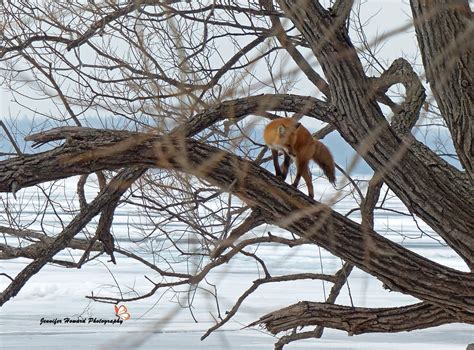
115, 189
255, 219
10, 137
254, 287
299, 59
358, 320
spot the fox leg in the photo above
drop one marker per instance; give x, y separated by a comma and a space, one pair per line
309, 182
276, 165
301, 167
285, 166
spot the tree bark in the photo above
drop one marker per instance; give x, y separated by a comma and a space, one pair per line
430, 188
358, 320
445, 29
90, 150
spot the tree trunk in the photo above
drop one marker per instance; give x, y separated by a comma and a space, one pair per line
430, 188
443, 27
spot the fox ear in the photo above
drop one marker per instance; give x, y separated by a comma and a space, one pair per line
281, 130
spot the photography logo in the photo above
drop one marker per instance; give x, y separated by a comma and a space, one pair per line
120, 311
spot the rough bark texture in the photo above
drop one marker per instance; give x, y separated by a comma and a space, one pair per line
90, 150
443, 27
432, 189
357, 320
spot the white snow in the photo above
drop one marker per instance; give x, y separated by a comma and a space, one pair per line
160, 323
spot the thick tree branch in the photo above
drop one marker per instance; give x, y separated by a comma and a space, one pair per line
342, 10
407, 113
33, 250
428, 186
104, 228
90, 150
241, 107
358, 320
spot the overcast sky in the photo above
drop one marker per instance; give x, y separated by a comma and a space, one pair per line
384, 16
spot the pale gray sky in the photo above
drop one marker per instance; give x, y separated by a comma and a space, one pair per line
381, 17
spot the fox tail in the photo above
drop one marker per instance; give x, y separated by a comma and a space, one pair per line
323, 157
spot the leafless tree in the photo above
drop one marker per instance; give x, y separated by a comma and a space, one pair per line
161, 101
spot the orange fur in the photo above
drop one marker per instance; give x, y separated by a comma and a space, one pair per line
294, 140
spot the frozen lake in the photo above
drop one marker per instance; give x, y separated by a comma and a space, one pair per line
159, 322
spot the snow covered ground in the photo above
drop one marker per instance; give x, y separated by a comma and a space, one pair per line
160, 323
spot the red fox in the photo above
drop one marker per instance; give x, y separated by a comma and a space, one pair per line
293, 139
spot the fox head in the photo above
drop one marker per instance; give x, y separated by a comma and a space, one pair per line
280, 134
285, 132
